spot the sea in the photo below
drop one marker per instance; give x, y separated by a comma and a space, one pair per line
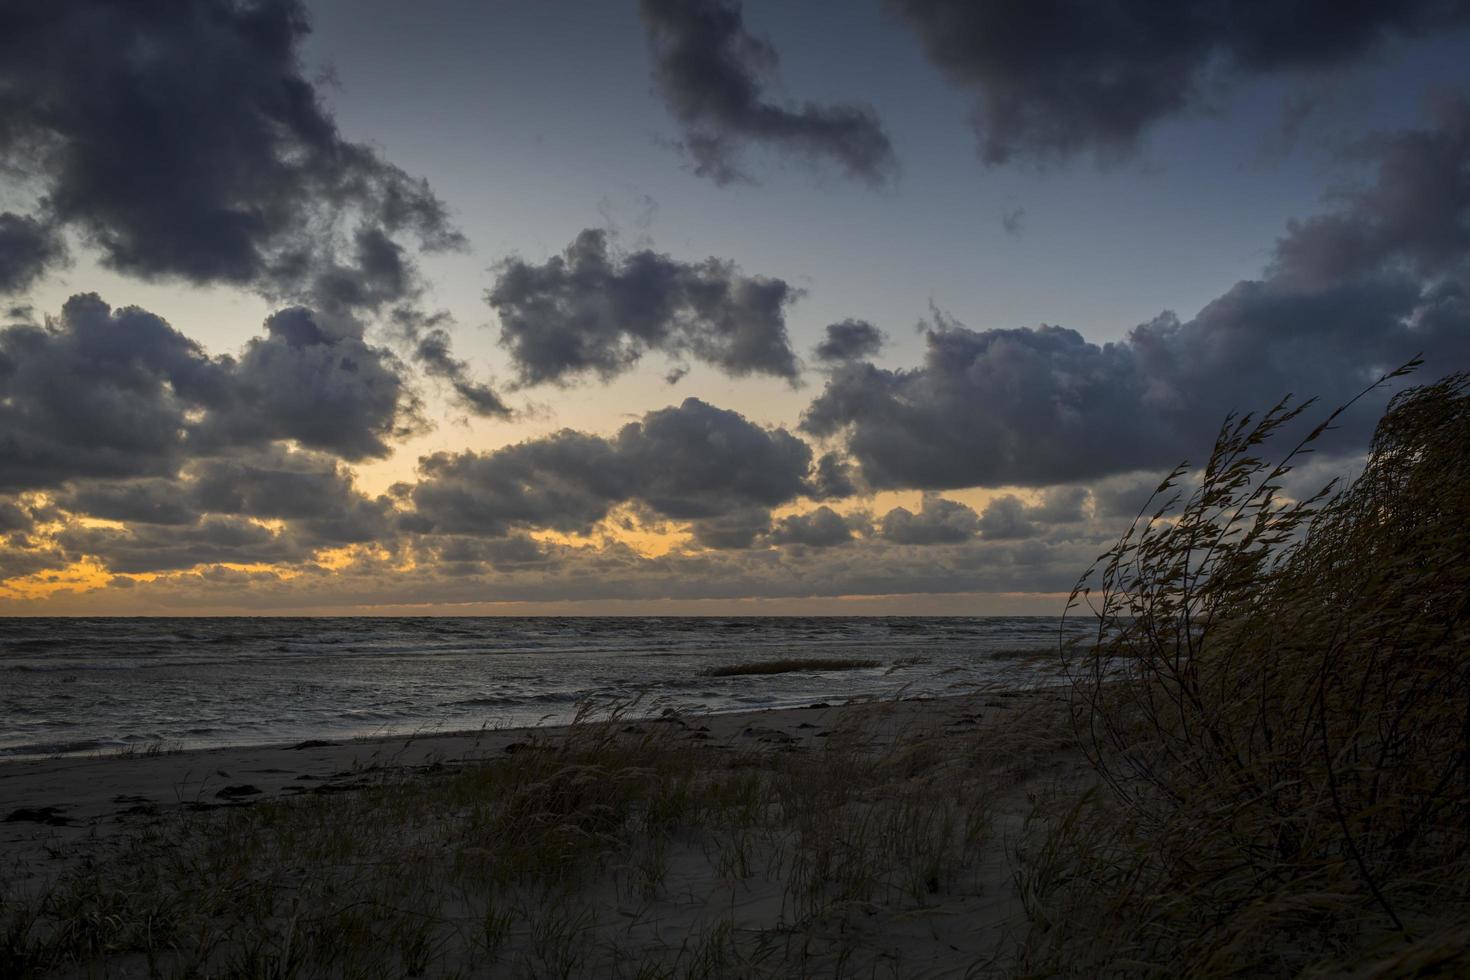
98, 686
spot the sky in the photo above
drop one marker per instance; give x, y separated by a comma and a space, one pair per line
687, 306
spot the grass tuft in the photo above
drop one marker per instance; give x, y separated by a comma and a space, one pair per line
1276, 703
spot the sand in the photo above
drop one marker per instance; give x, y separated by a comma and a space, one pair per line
64, 813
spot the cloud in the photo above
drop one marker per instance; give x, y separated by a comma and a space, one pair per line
832, 479
213, 512
1013, 220
140, 548
693, 462
456, 569
185, 142
1060, 505
313, 493
1044, 406
1412, 218
14, 517
98, 394
101, 394
712, 74
470, 554
849, 340
430, 348
736, 530
820, 528
591, 310
1119, 499
313, 379
1056, 79
1006, 518
27, 248
939, 521
144, 501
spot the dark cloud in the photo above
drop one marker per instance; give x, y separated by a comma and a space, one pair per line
1056, 78
313, 493
27, 248
939, 521
1003, 406
210, 513
712, 74
850, 340
14, 517
564, 482
160, 548
313, 379
1059, 505
103, 394
513, 553
145, 501
820, 528
1118, 499
515, 568
184, 141
734, 531
1044, 406
1414, 217
693, 463
21, 556
99, 394
590, 310
700, 461
832, 479
1005, 518
429, 342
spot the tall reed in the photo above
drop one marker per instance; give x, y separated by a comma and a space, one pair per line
1276, 701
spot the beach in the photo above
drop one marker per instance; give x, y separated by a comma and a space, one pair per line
874, 833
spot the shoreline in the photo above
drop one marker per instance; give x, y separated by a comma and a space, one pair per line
743, 843
49, 803
162, 747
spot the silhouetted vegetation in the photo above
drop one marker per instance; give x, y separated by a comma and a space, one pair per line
1277, 701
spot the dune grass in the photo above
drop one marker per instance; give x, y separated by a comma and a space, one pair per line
1277, 705
579, 854
790, 666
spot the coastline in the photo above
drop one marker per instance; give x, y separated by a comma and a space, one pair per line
69, 797
960, 756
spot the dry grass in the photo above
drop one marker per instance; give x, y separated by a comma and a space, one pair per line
790, 666
571, 856
1277, 703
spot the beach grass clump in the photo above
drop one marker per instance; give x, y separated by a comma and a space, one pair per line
569, 854
790, 666
1277, 703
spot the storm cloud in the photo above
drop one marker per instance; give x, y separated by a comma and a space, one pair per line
693, 462
820, 528
939, 521
712, 74
1350, 295
184, 141
97, 393
27, 248
212, 512
140, 548
1058, 78
592, 310
430, 347
314, 379
849, 340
